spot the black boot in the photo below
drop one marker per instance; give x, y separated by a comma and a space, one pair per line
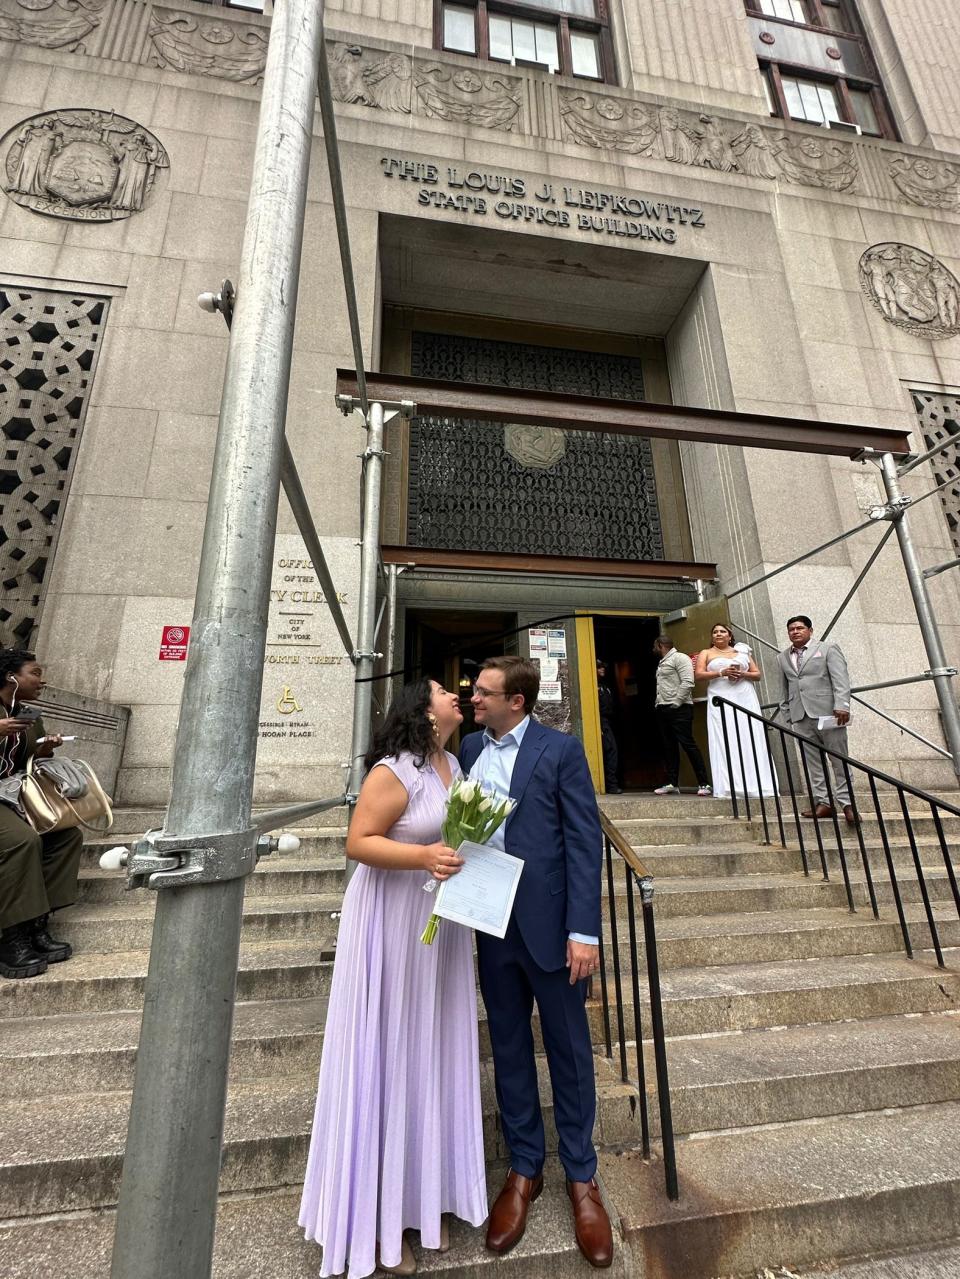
17, 955
54, 952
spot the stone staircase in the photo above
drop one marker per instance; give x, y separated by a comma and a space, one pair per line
815, 1069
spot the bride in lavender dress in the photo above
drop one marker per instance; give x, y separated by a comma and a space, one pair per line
397, 1135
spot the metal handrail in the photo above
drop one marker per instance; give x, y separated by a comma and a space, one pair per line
938, 808
637, 877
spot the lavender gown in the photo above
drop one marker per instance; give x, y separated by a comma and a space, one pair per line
397, 1133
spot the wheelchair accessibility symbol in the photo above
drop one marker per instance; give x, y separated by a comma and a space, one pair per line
287, 704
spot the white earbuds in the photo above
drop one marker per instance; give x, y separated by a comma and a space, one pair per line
114, 858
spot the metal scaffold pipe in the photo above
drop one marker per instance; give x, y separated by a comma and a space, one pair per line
365, 657
949, 714
168, 1195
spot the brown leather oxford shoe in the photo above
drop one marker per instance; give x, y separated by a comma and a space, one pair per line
591, 1223
850, 814
821, 810
508, 1217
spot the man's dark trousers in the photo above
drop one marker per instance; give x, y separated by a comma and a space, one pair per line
510, 981
676, 729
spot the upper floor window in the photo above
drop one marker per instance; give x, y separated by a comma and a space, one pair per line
568, 37
817, 65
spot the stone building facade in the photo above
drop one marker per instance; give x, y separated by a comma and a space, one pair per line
751, 206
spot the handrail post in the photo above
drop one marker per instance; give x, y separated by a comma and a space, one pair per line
168, 1193
926, 617
726, 750
659, 1040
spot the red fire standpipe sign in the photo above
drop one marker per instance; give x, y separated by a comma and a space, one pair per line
173, 643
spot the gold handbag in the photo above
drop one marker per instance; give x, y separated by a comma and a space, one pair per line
47, 810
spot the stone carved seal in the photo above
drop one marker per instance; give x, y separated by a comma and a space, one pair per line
911, 289
85, 165
539, 447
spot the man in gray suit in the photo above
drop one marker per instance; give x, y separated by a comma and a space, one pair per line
814, 683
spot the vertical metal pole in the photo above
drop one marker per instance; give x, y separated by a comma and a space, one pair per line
949, 713
168, 1194
369, 555
392, 573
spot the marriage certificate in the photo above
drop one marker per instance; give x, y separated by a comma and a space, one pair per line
481, 894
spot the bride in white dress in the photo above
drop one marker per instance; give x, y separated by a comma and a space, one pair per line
730, 672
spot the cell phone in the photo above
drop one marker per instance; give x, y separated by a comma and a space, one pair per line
41, 740
27, 712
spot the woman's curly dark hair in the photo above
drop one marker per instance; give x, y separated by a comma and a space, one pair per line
11, 660
406, 727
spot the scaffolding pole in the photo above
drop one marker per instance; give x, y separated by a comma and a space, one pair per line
168, 1195
897, 505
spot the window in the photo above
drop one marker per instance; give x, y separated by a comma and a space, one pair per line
568, 37
817, 66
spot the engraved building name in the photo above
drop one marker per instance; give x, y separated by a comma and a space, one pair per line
482, 192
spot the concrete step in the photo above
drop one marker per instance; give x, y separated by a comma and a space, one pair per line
922, 1263
787, 1073
134, 821
699, 1001
258, 1238
793, 1194
752, 893
922, 824
763, 936
698, 829
64, 1153
758, 859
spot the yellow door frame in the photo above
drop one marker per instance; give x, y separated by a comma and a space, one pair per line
587, 679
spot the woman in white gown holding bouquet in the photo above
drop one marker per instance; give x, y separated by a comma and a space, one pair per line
729, 671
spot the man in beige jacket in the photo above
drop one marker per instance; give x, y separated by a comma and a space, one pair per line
675, 714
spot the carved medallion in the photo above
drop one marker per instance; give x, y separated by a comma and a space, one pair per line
911, 289
89, 166
537, 446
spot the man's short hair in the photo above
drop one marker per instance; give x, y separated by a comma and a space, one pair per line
519, 676
800, 618
664, 639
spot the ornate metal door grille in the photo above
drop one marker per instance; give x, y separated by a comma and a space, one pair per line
48, 352
940, 423
483, 486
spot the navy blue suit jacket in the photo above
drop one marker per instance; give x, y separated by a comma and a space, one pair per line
555, 829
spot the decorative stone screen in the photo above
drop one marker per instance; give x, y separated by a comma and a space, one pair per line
485, 486
940, 424
49, 343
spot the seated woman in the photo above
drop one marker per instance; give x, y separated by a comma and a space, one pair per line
38, 873
398, 1135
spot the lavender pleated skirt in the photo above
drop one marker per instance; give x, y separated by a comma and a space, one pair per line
397, 1134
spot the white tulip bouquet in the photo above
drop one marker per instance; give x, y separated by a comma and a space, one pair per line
473, 813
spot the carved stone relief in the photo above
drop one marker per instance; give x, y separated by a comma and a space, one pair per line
370, 77
807, 161
911, 289
48, 352
50, 24
932, 184
228, 50
608, 123
489, 101
88, 166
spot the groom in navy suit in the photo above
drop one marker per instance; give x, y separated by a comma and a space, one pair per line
551, 947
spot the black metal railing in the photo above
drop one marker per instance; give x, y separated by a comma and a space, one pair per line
752, 726
621, 862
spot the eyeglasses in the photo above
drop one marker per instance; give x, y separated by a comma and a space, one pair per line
487, 692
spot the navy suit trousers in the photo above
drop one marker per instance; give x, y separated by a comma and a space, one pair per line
510, 981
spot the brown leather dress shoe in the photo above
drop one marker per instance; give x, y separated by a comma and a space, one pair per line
508, 1217
591, 1223
850, 814
821, 810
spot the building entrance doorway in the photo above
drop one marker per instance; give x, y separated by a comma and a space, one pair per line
625, 644
450, 647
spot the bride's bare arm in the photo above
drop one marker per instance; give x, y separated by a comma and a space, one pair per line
381, 803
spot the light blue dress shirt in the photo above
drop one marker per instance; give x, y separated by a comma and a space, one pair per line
493, 769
